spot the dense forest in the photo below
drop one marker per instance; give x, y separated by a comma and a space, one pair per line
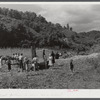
22, 29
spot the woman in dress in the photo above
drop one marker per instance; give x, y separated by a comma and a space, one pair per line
25, 63
50, 60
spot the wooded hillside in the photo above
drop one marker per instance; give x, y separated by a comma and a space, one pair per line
20, 29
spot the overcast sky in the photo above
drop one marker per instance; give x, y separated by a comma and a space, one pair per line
80, 17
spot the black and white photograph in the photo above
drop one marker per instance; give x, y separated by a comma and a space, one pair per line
50, 46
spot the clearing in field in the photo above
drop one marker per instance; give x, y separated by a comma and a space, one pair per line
86, 73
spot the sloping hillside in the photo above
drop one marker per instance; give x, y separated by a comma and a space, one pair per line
19, 29
30, 27
13, 31
85, 41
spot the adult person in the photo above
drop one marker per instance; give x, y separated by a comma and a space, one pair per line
35, 63
53, 57
17, 58
45, 62
25, 63
21, 61
43, 54
13, 58
45, 59
71, 65
9, 64
50, 63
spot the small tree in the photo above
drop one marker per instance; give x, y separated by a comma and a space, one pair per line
33, 50
68, 26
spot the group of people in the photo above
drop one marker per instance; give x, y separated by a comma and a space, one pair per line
23, 61
15, 59
51, 59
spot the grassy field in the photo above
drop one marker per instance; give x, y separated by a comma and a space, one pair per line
57, 77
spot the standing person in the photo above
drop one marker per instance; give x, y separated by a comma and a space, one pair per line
45, 62
35, 63
53, 57
43, 54
71, 66
21, 61
45, 59
17, 58
13, 58
50, 63
25, 63
9, 64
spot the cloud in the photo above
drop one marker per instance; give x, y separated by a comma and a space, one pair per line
80, 17
96, 7
23, 7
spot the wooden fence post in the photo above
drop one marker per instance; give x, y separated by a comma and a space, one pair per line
33, 51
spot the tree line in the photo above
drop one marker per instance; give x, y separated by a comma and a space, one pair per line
22, 29
19, 28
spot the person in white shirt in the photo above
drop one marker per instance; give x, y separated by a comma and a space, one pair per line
35, 63
50, 60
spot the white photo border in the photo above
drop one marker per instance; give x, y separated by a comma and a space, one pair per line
50, 93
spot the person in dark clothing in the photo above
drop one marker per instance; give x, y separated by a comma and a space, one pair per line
53, 57
57, 55
9, 64
71, 65
45, 59
43, 54
21, 61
